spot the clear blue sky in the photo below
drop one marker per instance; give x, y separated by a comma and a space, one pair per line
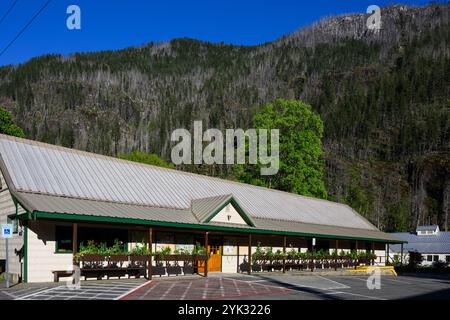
115, 24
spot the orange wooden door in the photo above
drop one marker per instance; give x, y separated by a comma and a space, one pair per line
214, 261
215, 258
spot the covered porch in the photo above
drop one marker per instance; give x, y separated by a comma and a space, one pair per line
103, 250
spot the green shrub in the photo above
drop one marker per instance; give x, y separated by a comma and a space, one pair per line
140, 250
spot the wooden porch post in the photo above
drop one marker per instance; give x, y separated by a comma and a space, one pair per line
238, 270
150, 245
401, 254
74, 240
250, 253
284, 254
207, 253
356, 246
335, 257
373, 252
387, 254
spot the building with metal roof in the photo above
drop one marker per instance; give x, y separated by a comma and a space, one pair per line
50, 185
433, 244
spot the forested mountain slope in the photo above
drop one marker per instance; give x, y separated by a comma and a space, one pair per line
383, 97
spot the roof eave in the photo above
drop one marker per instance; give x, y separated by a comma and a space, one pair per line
91, 218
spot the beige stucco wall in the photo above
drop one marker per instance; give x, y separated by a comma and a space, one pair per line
42, 259
7, 207
228, 215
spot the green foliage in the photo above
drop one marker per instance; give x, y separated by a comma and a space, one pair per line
7, 125
101, 248
140, 249
147, 158
354, 254
199, 249
117, 248
163, 252
259, 251
301, 168
182, 251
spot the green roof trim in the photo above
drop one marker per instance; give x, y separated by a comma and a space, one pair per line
91, 218
237, 206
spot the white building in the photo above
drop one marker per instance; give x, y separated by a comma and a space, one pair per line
61, 199
433, 244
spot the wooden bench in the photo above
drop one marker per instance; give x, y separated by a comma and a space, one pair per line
119, 272
61, 274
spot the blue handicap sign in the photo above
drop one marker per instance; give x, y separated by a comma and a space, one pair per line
6, 231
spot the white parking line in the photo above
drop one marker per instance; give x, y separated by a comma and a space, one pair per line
267, 285
309, 282
427, 281
395, 280
340, 285
133, 290
167, 291
353, 294
36, 293
8, 294
382, 280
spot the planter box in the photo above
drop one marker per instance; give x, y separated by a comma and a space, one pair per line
175, 257
266, 267
243, 267
256, 267
93, 257
176, 270
188, 269
118, 258
139, 258
159, 270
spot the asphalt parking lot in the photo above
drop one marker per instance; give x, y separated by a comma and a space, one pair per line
314, 287
255, 287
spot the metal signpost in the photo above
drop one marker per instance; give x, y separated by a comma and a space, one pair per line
6, 233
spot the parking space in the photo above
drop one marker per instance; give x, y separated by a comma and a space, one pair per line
205, 288
88, 290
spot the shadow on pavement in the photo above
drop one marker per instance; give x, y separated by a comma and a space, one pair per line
320, 294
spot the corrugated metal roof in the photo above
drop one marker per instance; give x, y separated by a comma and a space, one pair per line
437, 243
427, 228
202, 208
47, 169
54, 204
51, 179
294, 226
423, 248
